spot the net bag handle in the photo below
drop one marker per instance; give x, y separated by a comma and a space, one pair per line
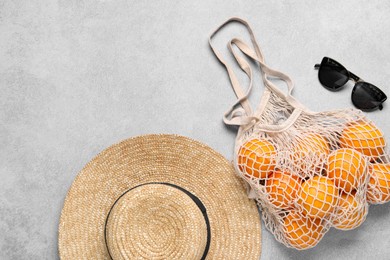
244, 115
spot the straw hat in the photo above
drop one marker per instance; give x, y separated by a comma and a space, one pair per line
159, 197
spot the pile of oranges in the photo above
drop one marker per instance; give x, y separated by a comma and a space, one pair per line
322, 182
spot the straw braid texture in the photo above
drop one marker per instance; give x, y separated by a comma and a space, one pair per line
156, 221
234, 219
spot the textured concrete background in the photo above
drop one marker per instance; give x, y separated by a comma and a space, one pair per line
79, 75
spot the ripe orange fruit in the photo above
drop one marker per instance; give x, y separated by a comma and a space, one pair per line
350, 213
346, 167
309, 149
318, 197
364, 137
302, 232
282, 188
378, 189
257, 158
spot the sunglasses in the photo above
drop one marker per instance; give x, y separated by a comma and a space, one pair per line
333, 76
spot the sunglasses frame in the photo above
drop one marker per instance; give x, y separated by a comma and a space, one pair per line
353, 77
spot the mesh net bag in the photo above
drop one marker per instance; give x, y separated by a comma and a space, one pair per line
308, 171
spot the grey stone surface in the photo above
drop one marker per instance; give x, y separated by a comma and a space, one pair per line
77, 76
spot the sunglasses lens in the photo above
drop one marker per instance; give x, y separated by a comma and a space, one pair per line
366, 96
332, 74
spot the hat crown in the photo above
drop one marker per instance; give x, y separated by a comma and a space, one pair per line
156, 221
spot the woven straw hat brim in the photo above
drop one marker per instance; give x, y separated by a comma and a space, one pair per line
234, 220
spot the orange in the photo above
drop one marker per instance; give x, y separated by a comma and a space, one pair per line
346, 167
282, 188
257, 158
318, 197
378, 189
302, 232
309, 150
364, 137
350, 213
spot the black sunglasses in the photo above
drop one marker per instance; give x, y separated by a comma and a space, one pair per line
333, 76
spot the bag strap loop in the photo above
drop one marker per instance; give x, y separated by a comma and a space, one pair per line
266, 71
245, 115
